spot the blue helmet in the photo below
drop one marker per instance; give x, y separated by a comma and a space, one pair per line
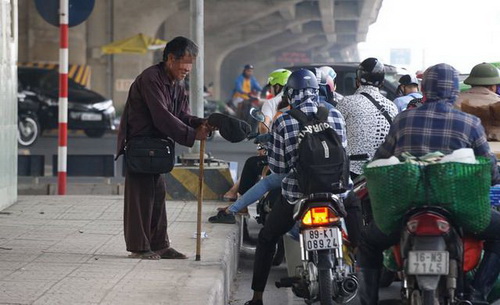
302, 79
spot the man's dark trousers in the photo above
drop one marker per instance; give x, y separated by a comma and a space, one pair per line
145, 216
279, 221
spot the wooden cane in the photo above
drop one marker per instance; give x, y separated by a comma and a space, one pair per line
200, 199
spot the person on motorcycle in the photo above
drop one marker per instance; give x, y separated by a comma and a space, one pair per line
408, 88
368, 114
482, 99
326, 78
277, 81
302, 91
434, 126
245, 85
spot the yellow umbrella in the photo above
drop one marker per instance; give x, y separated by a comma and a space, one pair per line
138, 44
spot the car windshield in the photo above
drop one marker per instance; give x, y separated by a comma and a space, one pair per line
50, 81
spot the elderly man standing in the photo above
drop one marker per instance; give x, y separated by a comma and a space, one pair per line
482, 99
435, 126
157, 106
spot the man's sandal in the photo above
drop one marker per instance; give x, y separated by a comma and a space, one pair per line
170, 253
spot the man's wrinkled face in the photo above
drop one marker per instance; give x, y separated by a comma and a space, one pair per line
180, 68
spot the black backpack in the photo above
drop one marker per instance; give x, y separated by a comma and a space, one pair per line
322, 164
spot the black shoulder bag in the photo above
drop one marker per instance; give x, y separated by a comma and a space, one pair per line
379, 107
147, 154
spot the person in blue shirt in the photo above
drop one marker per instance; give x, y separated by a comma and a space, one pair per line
245, 85
408, 86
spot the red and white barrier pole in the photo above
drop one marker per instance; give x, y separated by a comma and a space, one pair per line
62, 150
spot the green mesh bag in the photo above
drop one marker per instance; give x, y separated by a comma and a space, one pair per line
392, 190
463, 190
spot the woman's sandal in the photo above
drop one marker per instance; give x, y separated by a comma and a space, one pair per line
170, 253
145, 255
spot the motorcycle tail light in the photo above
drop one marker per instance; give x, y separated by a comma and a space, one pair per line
319, 216
428, 224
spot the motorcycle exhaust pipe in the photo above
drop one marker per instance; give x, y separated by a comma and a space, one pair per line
464, 303
349, 286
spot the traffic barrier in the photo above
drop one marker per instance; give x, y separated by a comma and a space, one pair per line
182, 182
88, 166
30, 165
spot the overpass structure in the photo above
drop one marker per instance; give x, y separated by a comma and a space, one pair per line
236, 32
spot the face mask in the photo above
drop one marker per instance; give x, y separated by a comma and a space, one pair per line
498, 89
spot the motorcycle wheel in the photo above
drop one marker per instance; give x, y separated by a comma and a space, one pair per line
428, 297
415, 298
28, 131
325, 287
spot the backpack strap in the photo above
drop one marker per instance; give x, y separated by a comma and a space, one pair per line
379, 107
299, 116
322, 114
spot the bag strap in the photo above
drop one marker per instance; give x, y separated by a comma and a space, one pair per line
379, 107
322, 114
299, 116
125, 118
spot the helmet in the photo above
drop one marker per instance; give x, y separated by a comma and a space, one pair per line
248, 67
329, 75
483, 74
408, 79
329, 71
302, 79
371, 72
279, 77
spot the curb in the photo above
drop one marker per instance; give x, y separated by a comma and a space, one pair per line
220, 292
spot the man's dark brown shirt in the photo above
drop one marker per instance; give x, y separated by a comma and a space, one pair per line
158, 107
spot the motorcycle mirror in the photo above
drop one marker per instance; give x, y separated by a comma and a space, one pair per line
257, 115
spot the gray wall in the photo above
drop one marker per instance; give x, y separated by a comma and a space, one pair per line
8, 103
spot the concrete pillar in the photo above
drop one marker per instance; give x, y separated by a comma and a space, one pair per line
196, 78
8, 103
99, 33
40, 40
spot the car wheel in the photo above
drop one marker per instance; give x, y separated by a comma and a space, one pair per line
95, 133
28, 131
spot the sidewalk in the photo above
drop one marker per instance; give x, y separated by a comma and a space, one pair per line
70, 250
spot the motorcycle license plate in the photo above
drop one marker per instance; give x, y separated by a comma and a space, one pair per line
321, 238
428, 262
91, 117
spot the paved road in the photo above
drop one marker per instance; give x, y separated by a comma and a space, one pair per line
283, 296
